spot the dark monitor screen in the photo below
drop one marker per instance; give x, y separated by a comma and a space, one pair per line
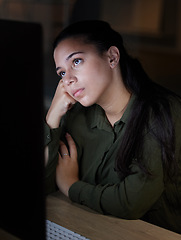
22, 205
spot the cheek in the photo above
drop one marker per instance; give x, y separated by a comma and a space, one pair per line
97, 72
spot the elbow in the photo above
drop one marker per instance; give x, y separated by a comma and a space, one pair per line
130, 212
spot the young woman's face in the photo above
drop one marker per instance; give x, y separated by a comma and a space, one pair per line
86, 74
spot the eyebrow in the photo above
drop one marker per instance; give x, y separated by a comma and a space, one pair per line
70, 56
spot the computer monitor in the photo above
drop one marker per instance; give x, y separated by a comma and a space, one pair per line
22, 205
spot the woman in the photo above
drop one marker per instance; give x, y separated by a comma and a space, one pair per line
120, 148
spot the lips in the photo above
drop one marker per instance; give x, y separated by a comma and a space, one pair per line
78, 92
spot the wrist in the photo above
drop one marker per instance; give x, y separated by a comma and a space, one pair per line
69, 186
52, 120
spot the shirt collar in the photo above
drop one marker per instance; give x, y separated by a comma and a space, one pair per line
128, 110
97, 117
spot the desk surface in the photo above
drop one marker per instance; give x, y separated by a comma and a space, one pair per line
96, 226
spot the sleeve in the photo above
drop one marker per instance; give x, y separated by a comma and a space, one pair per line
52, 139
129, 199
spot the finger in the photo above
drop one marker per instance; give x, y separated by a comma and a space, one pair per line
72, 146
63, 149
70, 98
60, 85
59, 157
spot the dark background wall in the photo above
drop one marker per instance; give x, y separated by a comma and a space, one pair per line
151, 30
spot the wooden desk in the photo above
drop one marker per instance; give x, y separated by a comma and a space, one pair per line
97, 227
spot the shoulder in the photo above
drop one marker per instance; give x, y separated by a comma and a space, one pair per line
79, 114
167, 101
175, 108
175, 104
173, 111
165, 107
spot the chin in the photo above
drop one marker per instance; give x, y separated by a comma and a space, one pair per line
86, 103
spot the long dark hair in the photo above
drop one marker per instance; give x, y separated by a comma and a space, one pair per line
151, 99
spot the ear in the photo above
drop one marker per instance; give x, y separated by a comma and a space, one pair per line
113, 56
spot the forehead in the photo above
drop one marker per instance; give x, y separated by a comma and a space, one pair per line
70, 45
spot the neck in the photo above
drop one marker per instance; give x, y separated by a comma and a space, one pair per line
115, 111
116, 101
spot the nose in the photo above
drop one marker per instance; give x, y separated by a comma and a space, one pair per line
69, 79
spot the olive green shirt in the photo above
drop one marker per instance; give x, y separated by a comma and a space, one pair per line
138, 195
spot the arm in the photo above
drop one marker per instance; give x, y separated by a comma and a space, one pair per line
129, 199
61, 103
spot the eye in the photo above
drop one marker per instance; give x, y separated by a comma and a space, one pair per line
61, 74
77, 61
